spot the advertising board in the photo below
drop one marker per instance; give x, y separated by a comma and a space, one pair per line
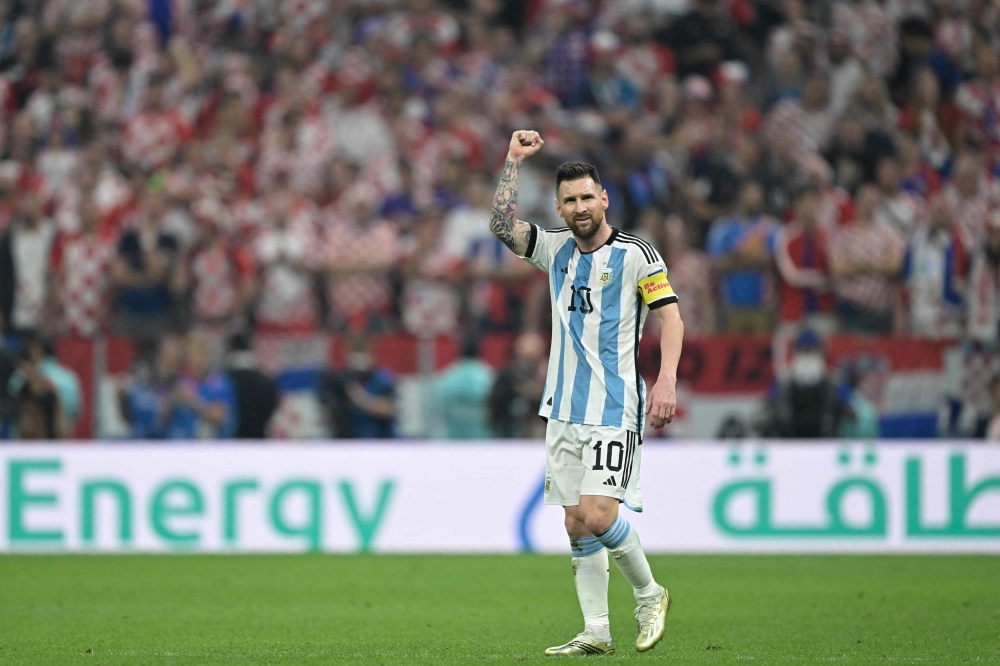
434, 497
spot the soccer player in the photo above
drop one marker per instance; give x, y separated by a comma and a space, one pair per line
603, 282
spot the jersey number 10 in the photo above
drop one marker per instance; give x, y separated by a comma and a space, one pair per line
586, 307
615, 450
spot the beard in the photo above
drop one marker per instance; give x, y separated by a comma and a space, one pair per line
593, 224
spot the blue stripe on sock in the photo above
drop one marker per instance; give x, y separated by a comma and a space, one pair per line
585, 546
615, 534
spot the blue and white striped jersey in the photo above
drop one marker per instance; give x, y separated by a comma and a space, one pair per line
600, 300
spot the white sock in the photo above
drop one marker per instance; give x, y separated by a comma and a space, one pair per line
591, 573
631, 560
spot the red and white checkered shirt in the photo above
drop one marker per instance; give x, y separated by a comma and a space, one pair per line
151, 140
808, 131
979, 103
302, 164
689, 272
867, 245
82, 263
217, 272
351, 243
287, 300
970, 214
869, 32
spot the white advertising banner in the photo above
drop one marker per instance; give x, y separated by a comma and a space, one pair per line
435, 497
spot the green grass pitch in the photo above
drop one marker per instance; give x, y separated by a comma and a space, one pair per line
378, 609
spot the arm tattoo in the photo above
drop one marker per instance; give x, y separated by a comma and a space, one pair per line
502, 219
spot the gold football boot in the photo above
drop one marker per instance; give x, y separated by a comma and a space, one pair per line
584, 644
652, 619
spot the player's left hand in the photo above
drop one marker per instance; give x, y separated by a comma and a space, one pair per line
662, 403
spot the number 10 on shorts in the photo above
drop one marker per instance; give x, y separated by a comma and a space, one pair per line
615, 456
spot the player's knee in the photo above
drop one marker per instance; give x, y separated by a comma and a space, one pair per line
598, 521
575, 527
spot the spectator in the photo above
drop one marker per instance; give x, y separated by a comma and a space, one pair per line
859, 417
256, 392
931, 120
969, 198
690, 273
609, 90
846, 74
8, 402
362, 398
808, 124
983, 287
849, 154
805, 297
872, 107
66, 384
148, 274
361, 253
518, 389
835, 205
143, 397
736, 107
81, 261
564, 68
741, 248
798, 35
287, 257
24, 254
154, 135
469, 223
978, 100
223, 279
919, 178
202, 404
903, 210
430, 298
806, 405
39, 414
932, 272
869, 33
865, 260
702, 38
993, 430
463, 392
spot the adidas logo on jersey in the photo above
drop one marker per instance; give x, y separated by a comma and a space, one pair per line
610, 482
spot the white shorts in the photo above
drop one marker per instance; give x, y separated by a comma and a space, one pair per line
591, 460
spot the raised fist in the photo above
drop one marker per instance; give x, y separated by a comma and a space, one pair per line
524, 143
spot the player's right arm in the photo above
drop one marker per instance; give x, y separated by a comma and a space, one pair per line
504, 224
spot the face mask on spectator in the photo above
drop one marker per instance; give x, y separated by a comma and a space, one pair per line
360, 362
808, 368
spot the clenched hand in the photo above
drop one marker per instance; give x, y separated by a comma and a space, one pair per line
524, 143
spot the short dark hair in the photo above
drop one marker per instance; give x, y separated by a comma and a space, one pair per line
576, 171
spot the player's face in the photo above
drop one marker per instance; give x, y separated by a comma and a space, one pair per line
581, 203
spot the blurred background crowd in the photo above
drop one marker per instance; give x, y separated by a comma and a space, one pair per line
194, 175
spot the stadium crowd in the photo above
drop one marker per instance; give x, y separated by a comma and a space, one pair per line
236, 167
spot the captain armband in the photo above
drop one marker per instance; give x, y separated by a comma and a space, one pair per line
656, 290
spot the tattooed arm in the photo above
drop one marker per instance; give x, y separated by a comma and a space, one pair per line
503, 221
